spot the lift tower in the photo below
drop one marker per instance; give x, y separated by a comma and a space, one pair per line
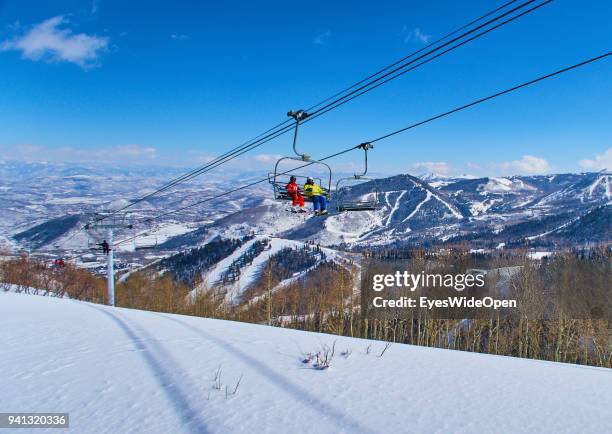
107, 223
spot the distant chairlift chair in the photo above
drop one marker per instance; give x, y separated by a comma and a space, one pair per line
98, 225
146, 240
365, 202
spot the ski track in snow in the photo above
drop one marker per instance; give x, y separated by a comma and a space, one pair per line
214, 276
605, 182
588, 192
330, 254
122, 370
283, 283
395, 206
534, 237
248, 276
450, 208
418, 207
249, 273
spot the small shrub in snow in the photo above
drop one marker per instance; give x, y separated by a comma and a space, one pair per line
218, 385
346, 353
307, 358
324, 357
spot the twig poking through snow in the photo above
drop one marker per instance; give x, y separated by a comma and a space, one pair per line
387, 346
237, 385
217, 379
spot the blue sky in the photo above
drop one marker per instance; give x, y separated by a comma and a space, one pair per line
176, 83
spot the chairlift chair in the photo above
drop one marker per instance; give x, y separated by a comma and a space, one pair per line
96, 230
99, 224
367, 202
279, 179
279, 186
93, 243
146, 240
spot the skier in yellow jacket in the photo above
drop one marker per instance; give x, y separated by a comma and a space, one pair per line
318, 195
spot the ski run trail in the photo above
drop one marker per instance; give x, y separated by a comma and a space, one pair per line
127, 371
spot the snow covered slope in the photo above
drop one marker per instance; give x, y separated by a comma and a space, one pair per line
251, 271
416, 211
407, 204
118, 370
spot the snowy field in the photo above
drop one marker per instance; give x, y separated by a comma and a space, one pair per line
126, 371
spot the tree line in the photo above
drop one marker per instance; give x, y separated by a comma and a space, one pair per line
549, 325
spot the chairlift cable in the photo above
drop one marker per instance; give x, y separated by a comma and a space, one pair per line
495, 95
250, 184
282, 128
431, 44
189, 175
414, 125
400, 71
364, 89
275, 134
383, 137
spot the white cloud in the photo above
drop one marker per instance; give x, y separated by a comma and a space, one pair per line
322, 38
123, 155
600, 162
205, 159
50, 42
266, 158
131, 155
135, 151
528, 165
439, 167
420, 36
30, 149
415, 35
179, 37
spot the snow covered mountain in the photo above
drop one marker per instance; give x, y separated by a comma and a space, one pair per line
484, 211
124, 370
431, 209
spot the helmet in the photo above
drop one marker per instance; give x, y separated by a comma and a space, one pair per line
293, 178
309, 180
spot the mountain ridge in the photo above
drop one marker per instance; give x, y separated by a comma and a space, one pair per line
413, 211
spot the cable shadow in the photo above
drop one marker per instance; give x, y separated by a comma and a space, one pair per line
298, 392
182, 406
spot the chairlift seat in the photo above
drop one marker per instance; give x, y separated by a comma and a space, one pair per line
357, 206
344, 203
344, 185
280, 187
